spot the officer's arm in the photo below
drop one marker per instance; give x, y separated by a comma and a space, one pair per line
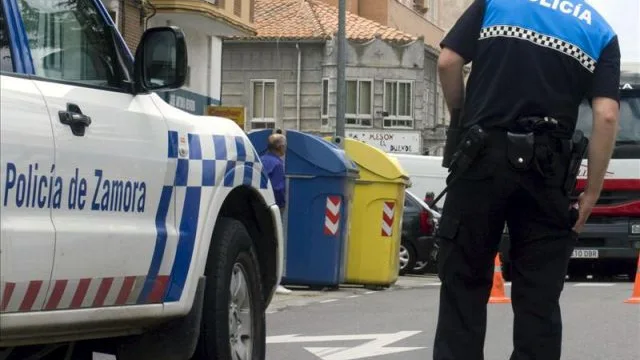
450, 66
458, 49
604, 94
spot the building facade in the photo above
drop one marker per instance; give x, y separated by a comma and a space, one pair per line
286, 76
130, 18
430, 19
204, 23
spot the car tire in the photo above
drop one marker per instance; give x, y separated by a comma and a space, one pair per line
408, 251
232, 259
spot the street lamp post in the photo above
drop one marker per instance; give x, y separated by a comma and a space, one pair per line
341, 91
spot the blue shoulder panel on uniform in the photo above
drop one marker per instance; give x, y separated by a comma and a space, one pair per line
572, 21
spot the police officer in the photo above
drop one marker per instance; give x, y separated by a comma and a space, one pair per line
533, 62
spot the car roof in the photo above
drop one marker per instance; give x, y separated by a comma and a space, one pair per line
422, 204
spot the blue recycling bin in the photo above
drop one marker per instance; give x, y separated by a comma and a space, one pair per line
320, 184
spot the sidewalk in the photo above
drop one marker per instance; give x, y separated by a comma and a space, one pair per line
301, 296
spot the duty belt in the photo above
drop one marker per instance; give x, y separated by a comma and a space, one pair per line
536, 142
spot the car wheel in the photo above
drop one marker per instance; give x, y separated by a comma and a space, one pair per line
233, 318
407, 258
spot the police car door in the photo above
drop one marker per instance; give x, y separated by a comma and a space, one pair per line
27, 181
110, 150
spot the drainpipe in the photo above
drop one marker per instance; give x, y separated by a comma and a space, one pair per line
298, 87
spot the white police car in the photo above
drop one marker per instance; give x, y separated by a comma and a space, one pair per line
123, 217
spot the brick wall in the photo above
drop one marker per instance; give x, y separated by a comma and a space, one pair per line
131, 25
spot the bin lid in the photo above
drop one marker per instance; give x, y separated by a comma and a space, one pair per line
310, 155
374, 164
259, 139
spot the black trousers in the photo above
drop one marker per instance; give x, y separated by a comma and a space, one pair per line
477, 206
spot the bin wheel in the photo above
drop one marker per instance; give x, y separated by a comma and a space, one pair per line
233, 317
407, 258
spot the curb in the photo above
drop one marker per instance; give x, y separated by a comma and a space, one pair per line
301, 296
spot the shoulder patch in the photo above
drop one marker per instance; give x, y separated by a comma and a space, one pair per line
572, 27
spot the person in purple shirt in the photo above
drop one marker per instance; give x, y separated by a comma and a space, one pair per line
274, 167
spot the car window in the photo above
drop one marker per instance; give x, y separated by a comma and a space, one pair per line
410, 205
70, 41
6, 62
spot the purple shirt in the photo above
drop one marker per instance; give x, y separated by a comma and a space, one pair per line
274, 168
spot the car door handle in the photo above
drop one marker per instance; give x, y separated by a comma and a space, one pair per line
74, 117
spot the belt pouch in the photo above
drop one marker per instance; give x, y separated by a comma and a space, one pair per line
520, 149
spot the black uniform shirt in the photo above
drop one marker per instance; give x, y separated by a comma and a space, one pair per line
534, 58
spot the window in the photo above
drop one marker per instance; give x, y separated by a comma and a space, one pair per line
70, 41
359, 103
410, 205
398, 104
264, 104
324, 111
237, 7
6, 61
629, 123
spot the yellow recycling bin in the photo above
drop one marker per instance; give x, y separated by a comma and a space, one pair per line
376, 219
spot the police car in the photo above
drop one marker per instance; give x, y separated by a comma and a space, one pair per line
122, 217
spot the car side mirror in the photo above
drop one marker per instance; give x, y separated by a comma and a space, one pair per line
161, 60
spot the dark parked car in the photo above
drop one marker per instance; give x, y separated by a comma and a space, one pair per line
418, 227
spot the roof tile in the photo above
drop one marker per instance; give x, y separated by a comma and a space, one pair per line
314, 19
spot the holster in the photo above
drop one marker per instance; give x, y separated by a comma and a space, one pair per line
579, 146
471, 145
520, 150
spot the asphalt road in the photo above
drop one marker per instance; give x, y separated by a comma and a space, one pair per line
597, 326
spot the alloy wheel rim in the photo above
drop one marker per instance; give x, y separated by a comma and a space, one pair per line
404, 256
240, 315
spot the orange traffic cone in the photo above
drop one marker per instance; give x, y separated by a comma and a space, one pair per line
498, 295
635, 296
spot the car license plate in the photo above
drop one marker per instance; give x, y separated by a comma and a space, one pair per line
585, 254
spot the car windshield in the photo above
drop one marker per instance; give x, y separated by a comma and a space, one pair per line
629, 127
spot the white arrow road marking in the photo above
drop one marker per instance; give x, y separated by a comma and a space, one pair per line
375, 347
295, 338
324, 351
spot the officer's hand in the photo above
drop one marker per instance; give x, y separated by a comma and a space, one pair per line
585, 204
